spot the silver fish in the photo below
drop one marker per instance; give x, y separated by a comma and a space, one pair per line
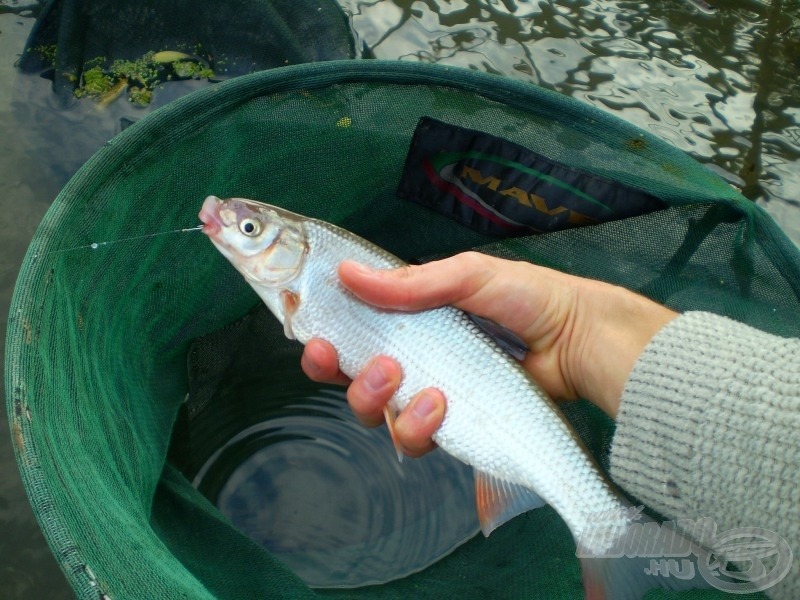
498, 420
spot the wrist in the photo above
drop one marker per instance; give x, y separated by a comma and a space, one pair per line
614, 325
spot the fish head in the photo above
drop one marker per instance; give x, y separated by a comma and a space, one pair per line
266, 244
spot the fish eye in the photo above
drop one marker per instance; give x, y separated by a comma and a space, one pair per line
250, 227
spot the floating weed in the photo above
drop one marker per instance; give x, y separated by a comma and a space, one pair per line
105, 82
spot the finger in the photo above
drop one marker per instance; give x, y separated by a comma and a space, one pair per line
320, 362
373, 388
417, 287
511, 293
418, 421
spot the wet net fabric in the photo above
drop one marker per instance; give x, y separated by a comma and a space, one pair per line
98, 340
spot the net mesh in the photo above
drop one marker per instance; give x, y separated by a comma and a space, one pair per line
98, 339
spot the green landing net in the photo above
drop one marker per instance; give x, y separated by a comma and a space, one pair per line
421, 159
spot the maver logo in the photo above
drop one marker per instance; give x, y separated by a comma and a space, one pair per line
498, 187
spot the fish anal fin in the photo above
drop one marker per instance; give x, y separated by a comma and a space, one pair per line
389, 416
290, 303
499, 501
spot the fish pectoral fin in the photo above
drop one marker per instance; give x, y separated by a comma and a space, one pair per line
290, 302
389, 416
499, 501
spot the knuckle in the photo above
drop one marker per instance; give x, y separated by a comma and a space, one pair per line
405, 272
475, 270
472, 260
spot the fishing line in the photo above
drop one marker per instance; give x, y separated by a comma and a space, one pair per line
96, 245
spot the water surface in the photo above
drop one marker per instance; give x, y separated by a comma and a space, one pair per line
723, 86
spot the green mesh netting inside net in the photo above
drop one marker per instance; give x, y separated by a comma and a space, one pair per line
98, 340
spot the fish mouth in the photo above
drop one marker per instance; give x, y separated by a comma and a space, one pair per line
209, 216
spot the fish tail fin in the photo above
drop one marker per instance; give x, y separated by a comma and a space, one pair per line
646, 555
626, 578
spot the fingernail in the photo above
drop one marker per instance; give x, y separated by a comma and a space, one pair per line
375, 378
424, 406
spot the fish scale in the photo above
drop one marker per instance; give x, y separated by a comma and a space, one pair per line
498, 420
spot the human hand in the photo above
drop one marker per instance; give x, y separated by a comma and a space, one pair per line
369, 392
584, 336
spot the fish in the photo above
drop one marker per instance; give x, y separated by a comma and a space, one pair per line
498, 419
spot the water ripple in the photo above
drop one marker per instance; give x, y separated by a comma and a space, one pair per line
328, 497
719, 83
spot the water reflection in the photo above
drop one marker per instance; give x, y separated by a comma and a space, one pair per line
329, 499
720, 82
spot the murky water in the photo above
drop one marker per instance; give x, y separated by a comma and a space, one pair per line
720, 83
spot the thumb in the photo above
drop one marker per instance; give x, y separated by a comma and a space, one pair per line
536, 303
417, 287
515, 295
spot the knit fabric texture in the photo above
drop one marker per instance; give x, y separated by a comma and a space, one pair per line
709, 427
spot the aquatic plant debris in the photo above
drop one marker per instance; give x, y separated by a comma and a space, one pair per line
104, 82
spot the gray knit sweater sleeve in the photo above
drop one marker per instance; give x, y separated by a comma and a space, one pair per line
709, 426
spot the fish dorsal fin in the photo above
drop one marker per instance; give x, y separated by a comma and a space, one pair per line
499, 501
509, 341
